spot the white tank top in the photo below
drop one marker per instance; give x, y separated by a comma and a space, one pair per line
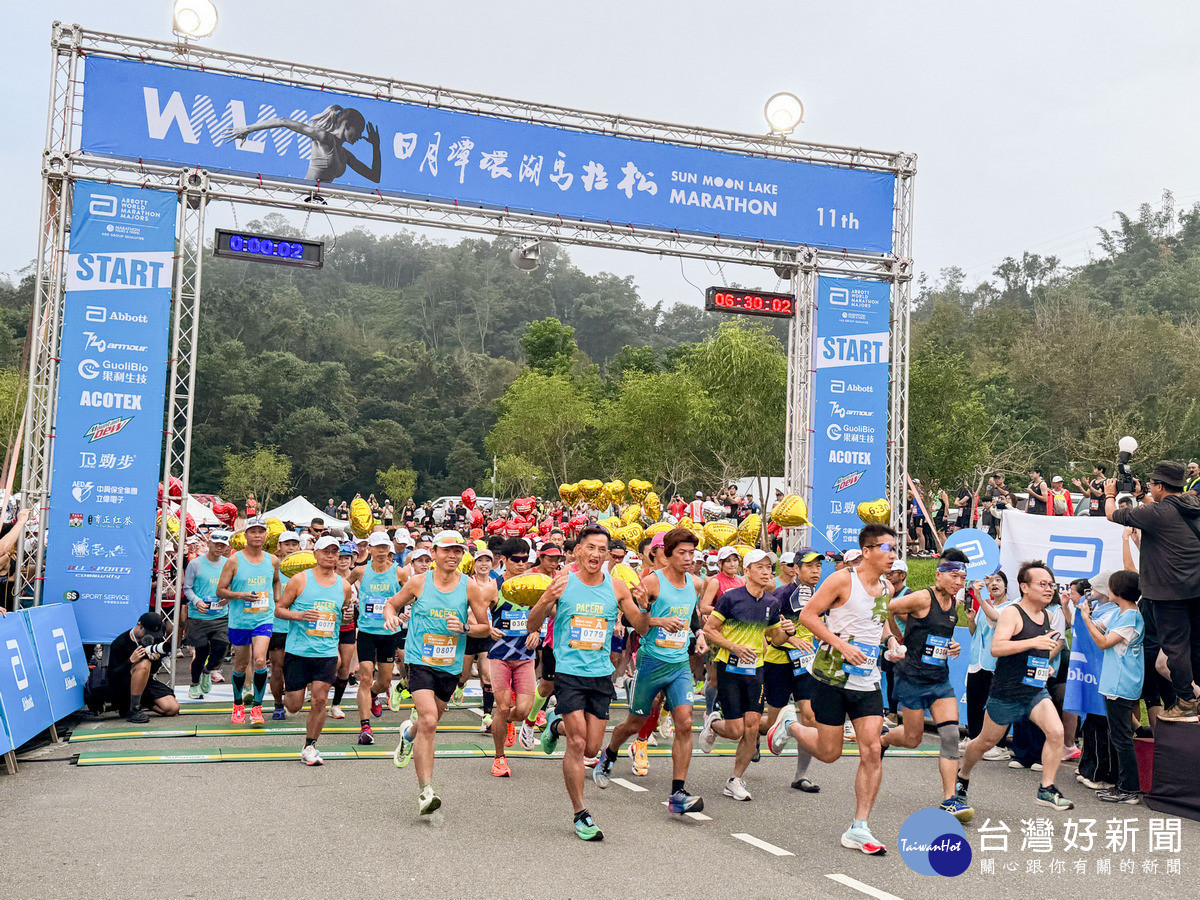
860, 621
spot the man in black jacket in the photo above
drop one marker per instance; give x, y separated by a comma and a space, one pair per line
1170, 575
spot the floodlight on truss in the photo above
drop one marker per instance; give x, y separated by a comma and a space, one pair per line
194, 18
784, 112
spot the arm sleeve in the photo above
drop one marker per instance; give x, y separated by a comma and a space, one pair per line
189, 577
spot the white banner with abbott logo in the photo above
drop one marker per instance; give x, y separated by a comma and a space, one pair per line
1072, 546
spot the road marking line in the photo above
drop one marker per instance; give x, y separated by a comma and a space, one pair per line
629, 785
477, 711
699, 817
762, 845
859, 886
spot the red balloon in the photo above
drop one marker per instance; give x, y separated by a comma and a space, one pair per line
514, 528
226, 512
476, 534
468, 498
496, 526
476, 518
546, 527
176, 488
189, 524
523, 505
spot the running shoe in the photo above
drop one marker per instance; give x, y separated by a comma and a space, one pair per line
549, 738
279, 715
1094, 785
780, 733
666, 726
427, 801
310, 756
862, 839
458, 695
485, 725
405, 694
404, 749
256, 716
335, 712
376, 705
848, 734
137, 717
216, 676
997, 754
602, 772
528, 736
1070, 755
1052, 797
960, 787
239, 714
641, 761
736, 788
757, 751
510, 737
541, 719
195, 692
958, 809
708, 737
366, 737
394, 697
803, 784
500, 767
1116, 795
206, 683
682, 802
586, 828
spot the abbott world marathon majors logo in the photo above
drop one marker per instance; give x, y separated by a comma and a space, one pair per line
933, 842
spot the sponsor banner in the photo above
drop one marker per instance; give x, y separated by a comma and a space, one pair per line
1082, 692
983, 553
22, 692
1072, 546
108, 426
851, 345
245, 125
60, 656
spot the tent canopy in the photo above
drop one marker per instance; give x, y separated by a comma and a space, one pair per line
300, 512
200, 513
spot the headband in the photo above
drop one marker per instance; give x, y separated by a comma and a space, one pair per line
952, 567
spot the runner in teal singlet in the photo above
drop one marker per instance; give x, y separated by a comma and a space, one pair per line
207, 623
289, 543
376, 582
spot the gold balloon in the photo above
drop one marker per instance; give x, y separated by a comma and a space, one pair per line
719, 534
566, 492
274, 530
656, 528
631, 535
639, 489
748, 532
616, 490
790, 512
875, 511
631, 514
525, 590
626, 574
467, 566
295, 563
603, 499
652, 506
742, 549
238, 541
591, 489
611, 524
361, 520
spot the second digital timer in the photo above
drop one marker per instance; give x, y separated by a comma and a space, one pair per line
752, 303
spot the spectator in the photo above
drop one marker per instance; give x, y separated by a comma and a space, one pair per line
1059, 502
1170, 576
1193, 477
966, 502
1093, 490
677, 508
331, 511
251, 506
997, 499
1038, 494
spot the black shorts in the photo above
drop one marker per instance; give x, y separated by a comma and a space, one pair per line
781, 683
426, 678
592, 694
301, 671
203, 632
832, 706
278, 641
376, 648
477, 645
548, 670
349, 636
739, 694
118, 694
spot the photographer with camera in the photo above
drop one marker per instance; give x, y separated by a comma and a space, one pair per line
134, 657
1170, 576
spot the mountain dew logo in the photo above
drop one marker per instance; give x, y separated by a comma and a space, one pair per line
105, 429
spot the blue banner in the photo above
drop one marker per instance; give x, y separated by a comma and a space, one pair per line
851, 351
108, 427
242, 124
1082, 693
22, 693
60, 656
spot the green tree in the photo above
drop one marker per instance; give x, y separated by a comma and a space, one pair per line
396, 484
947, 421
516, 476
550, 346
263, 471
543, 418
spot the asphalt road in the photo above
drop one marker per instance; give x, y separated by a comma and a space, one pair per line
280, 829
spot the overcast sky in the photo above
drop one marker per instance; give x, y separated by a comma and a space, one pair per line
1032, 122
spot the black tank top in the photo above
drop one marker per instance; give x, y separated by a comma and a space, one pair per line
1021, 675
927, 643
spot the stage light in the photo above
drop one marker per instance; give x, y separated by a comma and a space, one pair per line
784, 112
526, 257
194, 18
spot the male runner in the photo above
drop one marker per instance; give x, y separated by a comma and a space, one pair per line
845, 670
585, 605
1022, 645
923, 675
314, 602
663, 667
737, 628
289, 542
250, 585
440, 601
790, 652
419, 562
208, 623
725, 579
376, 644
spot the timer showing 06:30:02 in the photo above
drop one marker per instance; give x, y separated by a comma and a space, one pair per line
268, 248
752, 303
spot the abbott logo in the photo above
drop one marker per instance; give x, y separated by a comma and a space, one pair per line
103, 205
839, 297
18, 666
1074, 557
60, 647
973, 550
96, 314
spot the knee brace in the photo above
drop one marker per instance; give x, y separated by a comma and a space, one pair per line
948, 733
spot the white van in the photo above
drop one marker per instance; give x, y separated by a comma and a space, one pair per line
443, 504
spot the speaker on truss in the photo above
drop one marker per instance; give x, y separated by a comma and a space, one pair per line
526, 257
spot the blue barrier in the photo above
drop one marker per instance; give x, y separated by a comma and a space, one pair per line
22, 693
60, 655
42, 672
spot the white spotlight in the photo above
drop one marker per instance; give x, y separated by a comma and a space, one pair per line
194, 18
784, 112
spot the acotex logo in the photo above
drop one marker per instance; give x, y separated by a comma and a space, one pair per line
106, 429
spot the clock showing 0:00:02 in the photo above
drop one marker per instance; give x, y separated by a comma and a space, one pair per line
269, 248
754, 303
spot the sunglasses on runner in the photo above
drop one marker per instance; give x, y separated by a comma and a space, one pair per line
885, 547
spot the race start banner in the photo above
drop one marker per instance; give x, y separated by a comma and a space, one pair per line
282, 132
851, 354
109, 421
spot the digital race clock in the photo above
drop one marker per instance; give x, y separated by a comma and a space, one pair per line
752, 303
269, 248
